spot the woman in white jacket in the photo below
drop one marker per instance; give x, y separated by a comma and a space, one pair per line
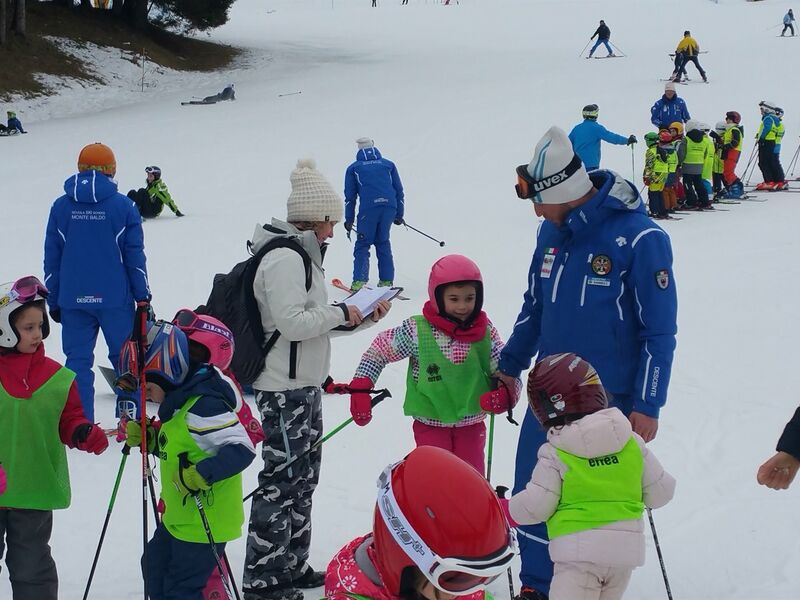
288, 389
591, 484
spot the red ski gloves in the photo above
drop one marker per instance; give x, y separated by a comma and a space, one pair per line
361, 402
3, 480
497, 401
90, 438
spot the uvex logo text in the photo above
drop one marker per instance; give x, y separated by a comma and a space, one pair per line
543, 184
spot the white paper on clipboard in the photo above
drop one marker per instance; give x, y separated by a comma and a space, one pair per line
366, 299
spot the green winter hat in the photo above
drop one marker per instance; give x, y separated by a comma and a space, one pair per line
11, 114
651, 139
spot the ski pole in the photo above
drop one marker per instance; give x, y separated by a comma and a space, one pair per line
501, 493
125, 452
441, 243
753, 154
139, 334
584, 48
290, 94
183, 461
491, 449
377, 399
633, 163
658, 551
621, 52
793, 162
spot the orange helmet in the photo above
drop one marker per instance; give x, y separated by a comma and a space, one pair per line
97, 157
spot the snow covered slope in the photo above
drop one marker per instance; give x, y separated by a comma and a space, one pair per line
457, 96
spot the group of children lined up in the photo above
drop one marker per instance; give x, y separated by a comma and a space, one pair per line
694, 170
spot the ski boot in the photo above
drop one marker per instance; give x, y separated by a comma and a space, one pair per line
780, 185
735, 192
528, 593
357, 285
385, 283
179, 214
765, 186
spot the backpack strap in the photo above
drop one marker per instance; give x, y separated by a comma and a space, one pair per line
253, 313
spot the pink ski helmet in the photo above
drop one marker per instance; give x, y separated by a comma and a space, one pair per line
209, 332
454, 268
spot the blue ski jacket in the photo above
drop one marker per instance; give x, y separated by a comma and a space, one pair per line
601, 286
586, 138
15, 123
94, 246
666, 111
375, 181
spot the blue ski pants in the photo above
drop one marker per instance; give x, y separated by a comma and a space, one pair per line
79, 329
537, 568
597, 43
374, 225
178, 570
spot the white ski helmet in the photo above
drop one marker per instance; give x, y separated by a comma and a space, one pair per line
768, 107
721, 127
693, 125
13, 296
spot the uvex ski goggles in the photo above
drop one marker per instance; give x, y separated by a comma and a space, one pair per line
452, 575
529, 188
24, 290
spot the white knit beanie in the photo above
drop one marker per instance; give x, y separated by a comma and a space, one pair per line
365, 142
669, 87
558, 174
312, 198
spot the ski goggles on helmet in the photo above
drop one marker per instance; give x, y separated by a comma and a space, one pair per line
451, 575
128, 381
154, 170
187, 321
24, 290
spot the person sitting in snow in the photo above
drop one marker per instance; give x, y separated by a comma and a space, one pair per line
151, 200
14, 124
227, 94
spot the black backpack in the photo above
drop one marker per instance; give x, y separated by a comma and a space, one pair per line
233, 302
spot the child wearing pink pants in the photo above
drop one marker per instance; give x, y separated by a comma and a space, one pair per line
453, 350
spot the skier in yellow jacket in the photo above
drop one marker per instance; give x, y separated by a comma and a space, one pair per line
687, 51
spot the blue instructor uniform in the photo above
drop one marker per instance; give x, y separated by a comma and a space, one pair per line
601, 286
376, 183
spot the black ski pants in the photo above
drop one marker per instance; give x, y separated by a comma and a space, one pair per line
696, 193
787, 26
680, 65
31, 568
769, 162
148, 208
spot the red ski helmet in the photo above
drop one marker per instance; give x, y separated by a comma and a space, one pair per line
563, 385
437, 513
209, 332
664, 136
734, 116
454, 268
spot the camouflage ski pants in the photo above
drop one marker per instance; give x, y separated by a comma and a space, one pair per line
279, 533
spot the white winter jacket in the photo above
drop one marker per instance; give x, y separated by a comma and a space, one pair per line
619, 544
302, 355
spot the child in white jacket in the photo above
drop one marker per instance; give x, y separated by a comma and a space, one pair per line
591, 484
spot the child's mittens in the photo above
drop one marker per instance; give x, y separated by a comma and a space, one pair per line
361, 402
3, 480
497, 401
90, 438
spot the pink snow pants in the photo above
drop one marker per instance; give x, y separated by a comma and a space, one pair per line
588, 581
467, 443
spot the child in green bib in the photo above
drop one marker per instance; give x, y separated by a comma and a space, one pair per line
202, 448
40, 414
591, 484
453, 350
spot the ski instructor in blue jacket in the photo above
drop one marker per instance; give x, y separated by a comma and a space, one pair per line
375, 181
586, 138
669, 108
94, 266
600, 285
